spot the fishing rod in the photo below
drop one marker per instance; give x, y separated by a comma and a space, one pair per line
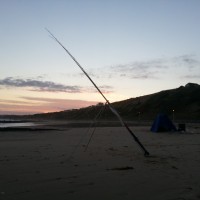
146, 153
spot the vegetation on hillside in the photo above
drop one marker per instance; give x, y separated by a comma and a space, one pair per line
180, 103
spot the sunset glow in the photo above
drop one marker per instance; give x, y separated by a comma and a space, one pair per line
129, 48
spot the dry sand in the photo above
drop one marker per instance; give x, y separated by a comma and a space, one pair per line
52, 164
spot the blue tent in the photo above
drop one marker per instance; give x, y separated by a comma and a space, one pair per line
162, 123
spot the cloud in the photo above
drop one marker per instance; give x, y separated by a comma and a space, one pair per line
132, 70
152, 69
188, 61
12, 102
191, 77
139, 70
31, 105
49, 86
38, 85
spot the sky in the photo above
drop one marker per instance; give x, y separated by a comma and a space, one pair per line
129, 48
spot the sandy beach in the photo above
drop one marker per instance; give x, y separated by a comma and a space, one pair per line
53, 164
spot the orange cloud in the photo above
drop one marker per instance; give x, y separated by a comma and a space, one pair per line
32, 105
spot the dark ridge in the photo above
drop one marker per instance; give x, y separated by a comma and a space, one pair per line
182, 103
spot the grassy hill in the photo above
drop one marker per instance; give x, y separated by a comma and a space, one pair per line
182, 102
185, 101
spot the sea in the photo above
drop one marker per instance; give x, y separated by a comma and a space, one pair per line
6, 123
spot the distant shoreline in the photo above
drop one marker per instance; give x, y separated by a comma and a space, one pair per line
14, 121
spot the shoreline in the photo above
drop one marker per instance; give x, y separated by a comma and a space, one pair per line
57, 125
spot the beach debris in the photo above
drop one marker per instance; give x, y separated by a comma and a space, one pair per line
174, 167
120, 168
112, 149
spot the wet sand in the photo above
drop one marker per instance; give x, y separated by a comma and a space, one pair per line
53, 164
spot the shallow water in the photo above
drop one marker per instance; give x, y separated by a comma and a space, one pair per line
16, 124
